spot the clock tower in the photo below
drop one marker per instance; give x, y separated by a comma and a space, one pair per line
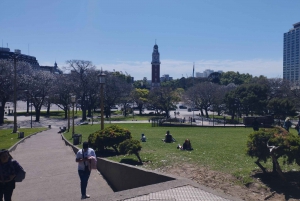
155, 67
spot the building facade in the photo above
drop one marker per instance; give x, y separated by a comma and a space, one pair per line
155, 81
5, 53
291, 53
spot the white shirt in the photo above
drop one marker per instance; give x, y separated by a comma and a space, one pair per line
86, 154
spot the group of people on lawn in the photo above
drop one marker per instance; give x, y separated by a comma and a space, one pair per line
169, 139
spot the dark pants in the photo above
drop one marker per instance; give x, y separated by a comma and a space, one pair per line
84, 177
7, 189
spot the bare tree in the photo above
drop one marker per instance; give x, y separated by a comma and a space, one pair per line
79, 72
6, 81
38, 85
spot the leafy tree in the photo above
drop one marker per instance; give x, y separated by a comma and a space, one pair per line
140, 97
131, 146
282, 107
111, 136
164, 99
214, 77
272, 144
235, 77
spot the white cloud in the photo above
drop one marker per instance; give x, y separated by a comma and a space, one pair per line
177, 69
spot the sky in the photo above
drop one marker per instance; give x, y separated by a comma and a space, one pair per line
228, 35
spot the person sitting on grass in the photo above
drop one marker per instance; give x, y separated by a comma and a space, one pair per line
169, 138
143, 138
186, 145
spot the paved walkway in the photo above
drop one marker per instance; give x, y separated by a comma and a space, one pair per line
52, 171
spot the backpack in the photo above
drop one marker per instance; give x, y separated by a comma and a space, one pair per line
21, 174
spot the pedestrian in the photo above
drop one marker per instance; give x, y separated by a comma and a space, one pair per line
83, 158
9, 168
287, 124
255, 124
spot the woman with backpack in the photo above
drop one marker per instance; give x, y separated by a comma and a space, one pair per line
9, 169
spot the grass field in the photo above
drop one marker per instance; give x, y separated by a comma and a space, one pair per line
220, 149
8, 139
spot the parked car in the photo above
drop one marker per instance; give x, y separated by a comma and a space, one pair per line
182, 107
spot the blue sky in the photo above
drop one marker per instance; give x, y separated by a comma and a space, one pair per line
228, 35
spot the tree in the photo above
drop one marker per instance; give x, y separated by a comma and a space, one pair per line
164, 99
272, 144
201, 96
63, 86
116, 88
282, 107
79, 72
131, 146
38, 84
140, 97
111, 136
6, 81
235, 77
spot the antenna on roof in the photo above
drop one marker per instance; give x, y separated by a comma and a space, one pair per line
155, 41
2, 43
28, 48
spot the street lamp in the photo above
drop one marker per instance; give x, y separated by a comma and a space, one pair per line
73, 100
101, 77
29, 94
15, 93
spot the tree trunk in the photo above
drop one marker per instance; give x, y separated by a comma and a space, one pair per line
83, 109
278, 169
37, 115
48, 109
261, 167
138, 156
2, 114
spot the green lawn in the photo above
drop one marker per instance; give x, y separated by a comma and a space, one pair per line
8, 139
220, 149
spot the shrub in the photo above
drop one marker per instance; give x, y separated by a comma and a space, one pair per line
131, 146
111, 136
271, 144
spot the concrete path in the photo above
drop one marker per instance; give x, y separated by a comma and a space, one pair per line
52, 171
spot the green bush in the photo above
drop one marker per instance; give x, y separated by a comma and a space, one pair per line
111, 136
131, 146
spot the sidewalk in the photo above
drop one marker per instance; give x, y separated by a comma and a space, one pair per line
52, 171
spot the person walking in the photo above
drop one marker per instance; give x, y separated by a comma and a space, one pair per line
287, 124
9, 168
83, 158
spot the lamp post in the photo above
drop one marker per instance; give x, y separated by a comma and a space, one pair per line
73, 100
15, 93
101, 77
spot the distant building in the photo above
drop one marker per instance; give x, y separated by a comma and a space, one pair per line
165, 78
52, 69
206, 73
155, 67
291, 53
5, 53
